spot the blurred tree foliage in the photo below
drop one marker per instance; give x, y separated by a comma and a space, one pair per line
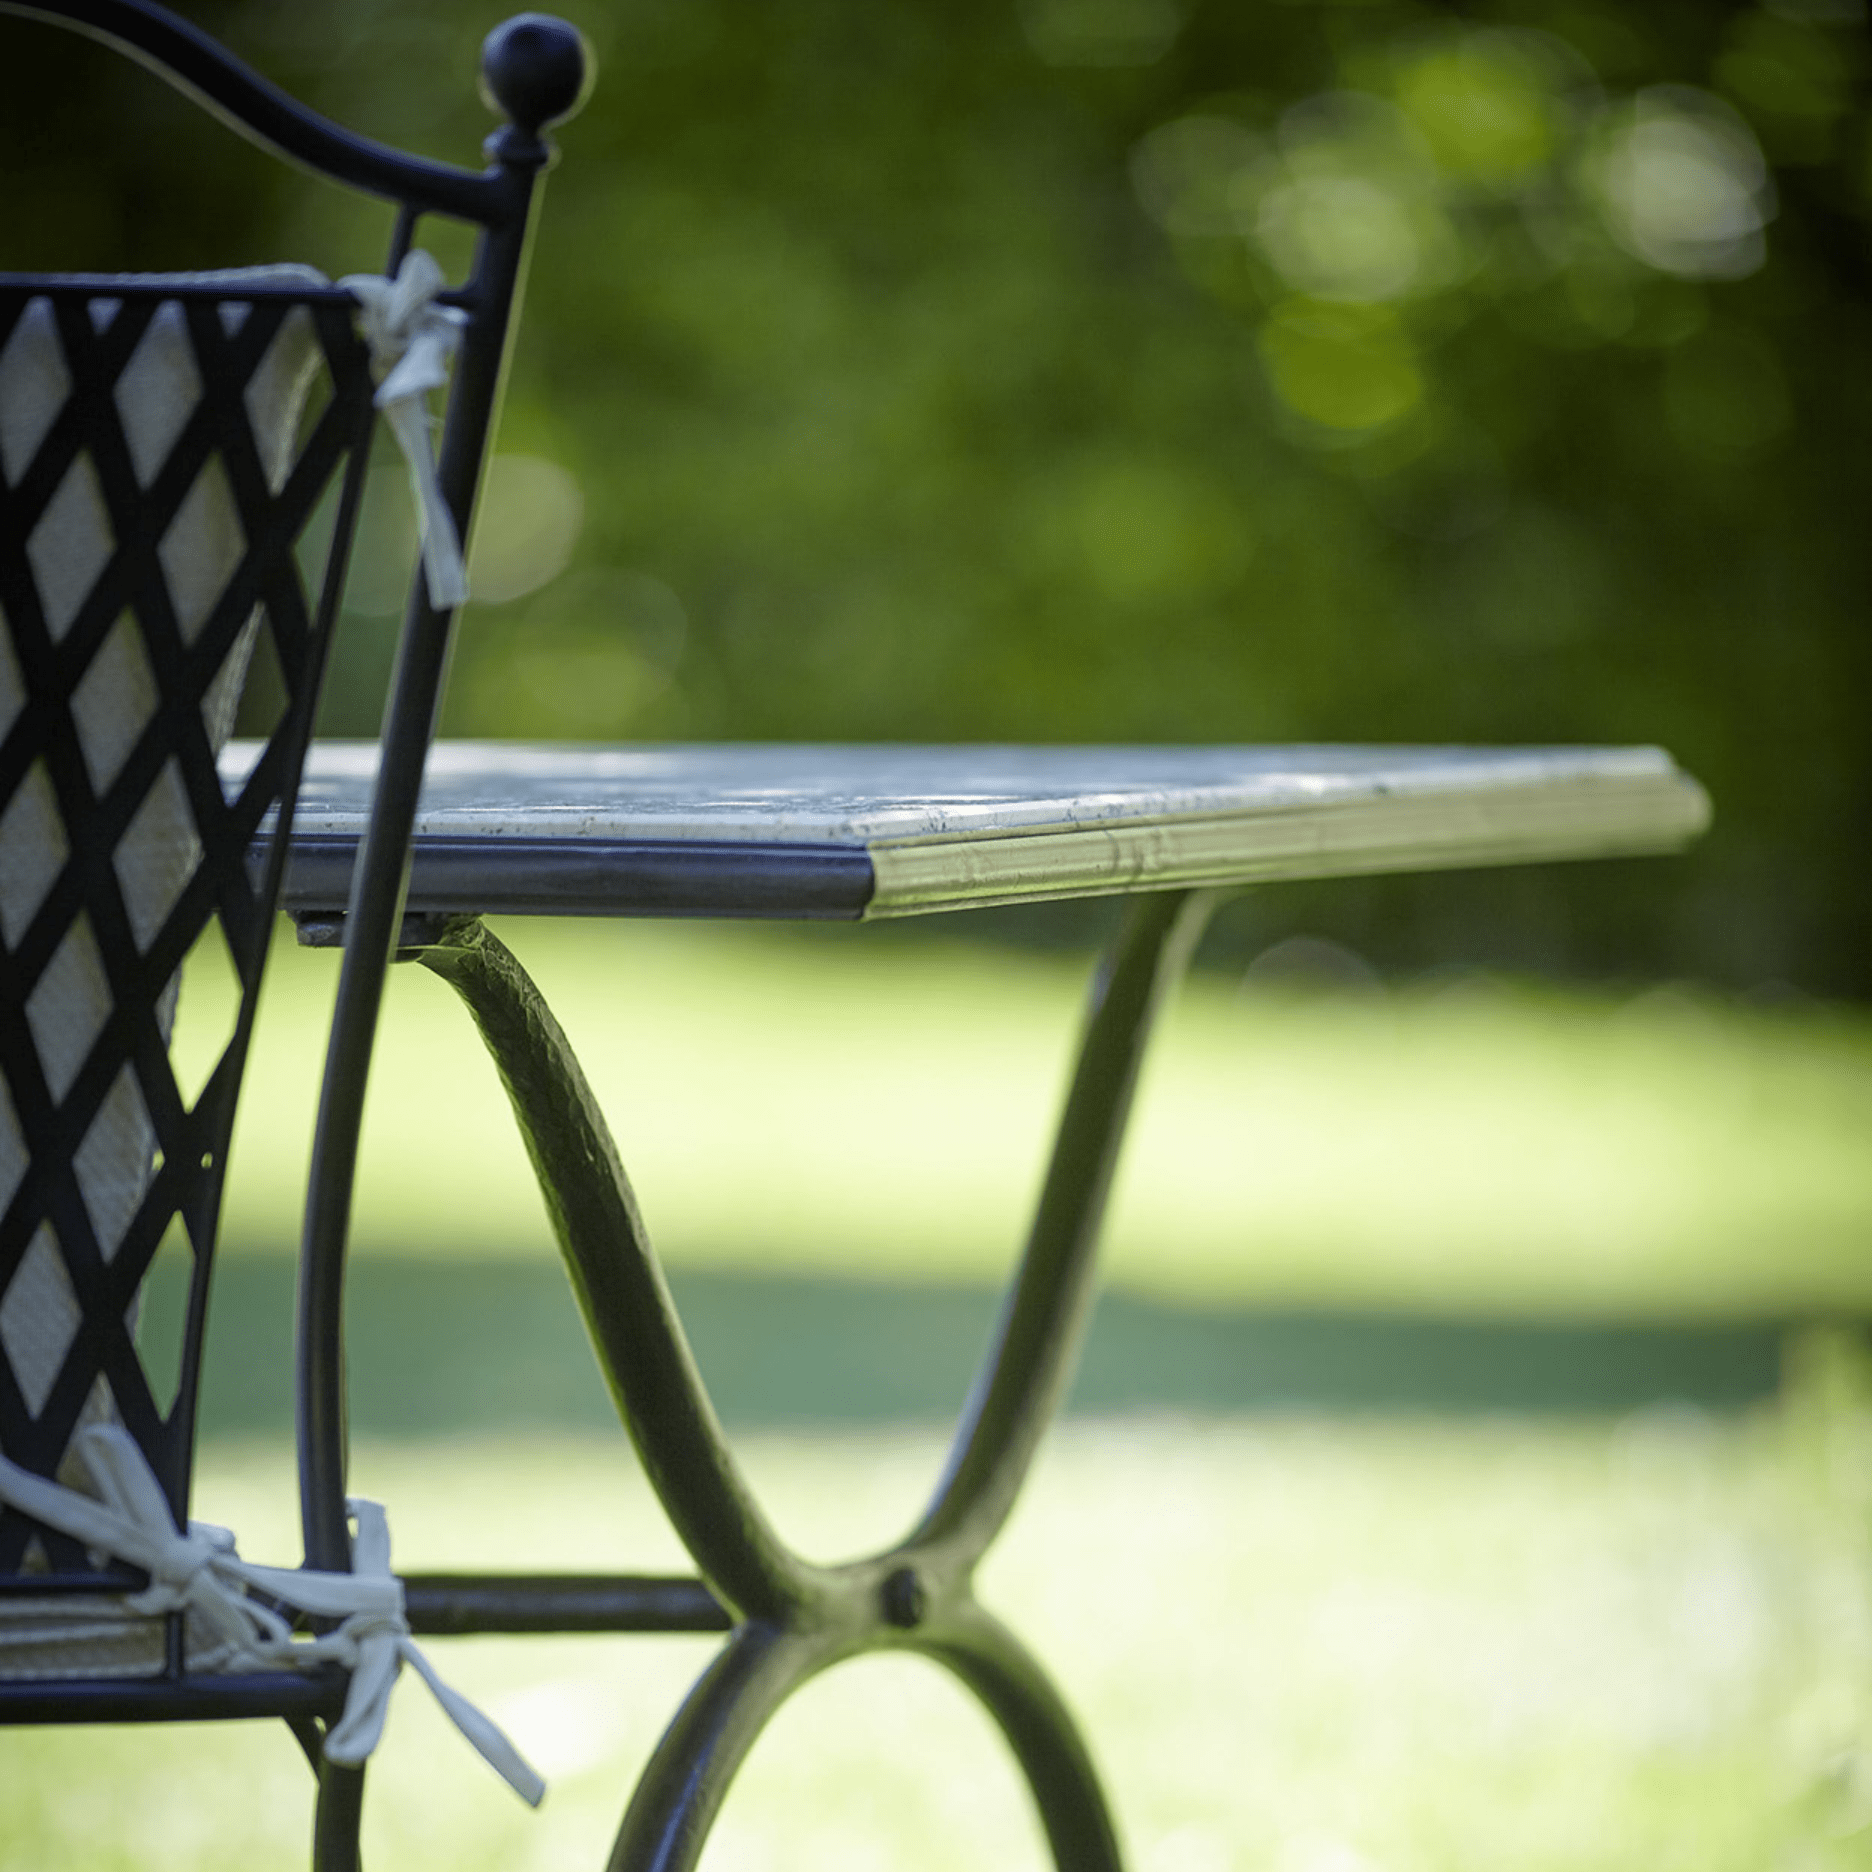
1134, 370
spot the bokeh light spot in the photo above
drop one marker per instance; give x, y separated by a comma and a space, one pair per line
1185, 173
1344, 367
1341, 237
529, 519
1351, 212
1483, 108
1682, 184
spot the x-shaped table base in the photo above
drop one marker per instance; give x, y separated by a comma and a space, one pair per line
788, 1618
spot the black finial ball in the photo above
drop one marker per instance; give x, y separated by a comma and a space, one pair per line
535, 70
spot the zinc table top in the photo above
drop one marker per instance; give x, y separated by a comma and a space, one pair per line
846, 831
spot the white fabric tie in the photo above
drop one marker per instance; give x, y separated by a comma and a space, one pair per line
412, 340
200, 1573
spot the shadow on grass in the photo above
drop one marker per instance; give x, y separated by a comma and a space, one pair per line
439, 1348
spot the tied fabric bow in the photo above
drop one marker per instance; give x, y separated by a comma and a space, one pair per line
200, 1573
412, 340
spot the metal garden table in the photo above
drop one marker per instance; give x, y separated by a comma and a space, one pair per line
864, 832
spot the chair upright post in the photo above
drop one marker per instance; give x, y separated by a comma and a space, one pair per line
536, 70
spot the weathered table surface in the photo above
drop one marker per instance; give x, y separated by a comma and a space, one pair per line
855, 831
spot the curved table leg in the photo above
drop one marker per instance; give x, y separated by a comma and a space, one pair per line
689, 1773
682, 1788
796, 1618
619, 1284
1043, 1320
1040, 1730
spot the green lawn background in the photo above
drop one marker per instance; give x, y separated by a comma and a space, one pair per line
831, 1101
1299, 1643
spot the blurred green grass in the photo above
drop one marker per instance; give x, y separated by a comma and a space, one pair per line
1297, 1646
1298, 1643
853, 1103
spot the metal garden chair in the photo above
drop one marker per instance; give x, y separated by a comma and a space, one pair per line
164, 443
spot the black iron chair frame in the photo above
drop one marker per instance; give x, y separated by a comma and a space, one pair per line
535, 72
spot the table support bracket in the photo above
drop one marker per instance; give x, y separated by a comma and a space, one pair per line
792, 1618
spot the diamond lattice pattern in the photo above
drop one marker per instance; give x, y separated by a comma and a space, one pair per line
154, 476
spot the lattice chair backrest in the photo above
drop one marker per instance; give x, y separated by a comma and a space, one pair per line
164, 443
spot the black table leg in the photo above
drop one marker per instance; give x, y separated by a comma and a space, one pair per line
792, 1618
